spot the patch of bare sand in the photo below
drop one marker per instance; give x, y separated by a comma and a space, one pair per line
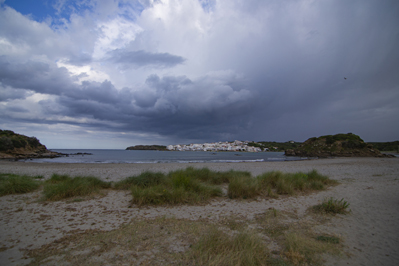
370, 185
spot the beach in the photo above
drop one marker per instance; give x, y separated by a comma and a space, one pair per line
370, 233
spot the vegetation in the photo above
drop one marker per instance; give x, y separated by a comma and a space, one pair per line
386, 146
147, 147
289, 183
330, 139
10, 140
193, 185
275, 146
62, 186
218, 248
14, 184
341, 145
332, 206
302, 249
231, 240
181, 186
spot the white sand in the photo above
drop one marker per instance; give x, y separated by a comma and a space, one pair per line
370, 185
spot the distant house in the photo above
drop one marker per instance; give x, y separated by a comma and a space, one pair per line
170, 147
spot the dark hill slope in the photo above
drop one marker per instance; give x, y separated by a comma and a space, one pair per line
340, 145
16, 146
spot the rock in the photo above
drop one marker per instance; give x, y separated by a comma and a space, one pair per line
147, 147
340, 145
290, 153
17, 146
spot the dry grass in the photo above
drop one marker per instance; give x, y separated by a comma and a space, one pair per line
169, 241
219, 248
304, 249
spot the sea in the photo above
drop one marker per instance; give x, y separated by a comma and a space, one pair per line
137, 156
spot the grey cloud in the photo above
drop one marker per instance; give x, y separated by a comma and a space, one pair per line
34, 76
142, 58
170, 106
292, 59
17, 109
7, 94
80, 59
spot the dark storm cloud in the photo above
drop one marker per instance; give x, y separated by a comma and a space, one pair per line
171, 105
34, 76
258, 70
142, 58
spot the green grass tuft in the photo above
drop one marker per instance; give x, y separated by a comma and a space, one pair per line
145, 179
289, 183
193, 185
15, 184
328, 239
181, 186
243, 187
332, 206
62, 186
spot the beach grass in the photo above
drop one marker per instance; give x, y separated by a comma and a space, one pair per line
180, 186
219, 248
290, 183
332, 206
145, 179
15, 184
243, 187
233, 240
303, 249
194, 185
63, 186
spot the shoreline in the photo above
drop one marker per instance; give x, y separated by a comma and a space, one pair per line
117, 171
370, 233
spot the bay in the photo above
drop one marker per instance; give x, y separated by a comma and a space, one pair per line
136, 156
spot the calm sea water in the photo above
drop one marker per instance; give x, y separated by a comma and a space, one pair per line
132, 156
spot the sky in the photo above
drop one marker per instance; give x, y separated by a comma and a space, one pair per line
111, 74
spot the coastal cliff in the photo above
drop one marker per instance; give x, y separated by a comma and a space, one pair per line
340, 145
17, 146
147, 148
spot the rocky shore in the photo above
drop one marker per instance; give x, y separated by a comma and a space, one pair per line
340, 145
15, 146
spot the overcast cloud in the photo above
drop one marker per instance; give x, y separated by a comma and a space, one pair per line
110, 74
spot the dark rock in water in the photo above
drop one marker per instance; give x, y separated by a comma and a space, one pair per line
147, 148
340, 145
16, 146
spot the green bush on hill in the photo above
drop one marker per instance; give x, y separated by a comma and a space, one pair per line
10, 140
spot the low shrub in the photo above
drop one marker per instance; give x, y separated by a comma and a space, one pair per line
62, 186
15, 184
332, 206
289, 183
145, 179
179, 189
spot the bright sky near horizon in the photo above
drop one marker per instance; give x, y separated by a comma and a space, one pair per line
111, 74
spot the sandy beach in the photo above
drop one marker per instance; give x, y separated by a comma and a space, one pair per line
370, 232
